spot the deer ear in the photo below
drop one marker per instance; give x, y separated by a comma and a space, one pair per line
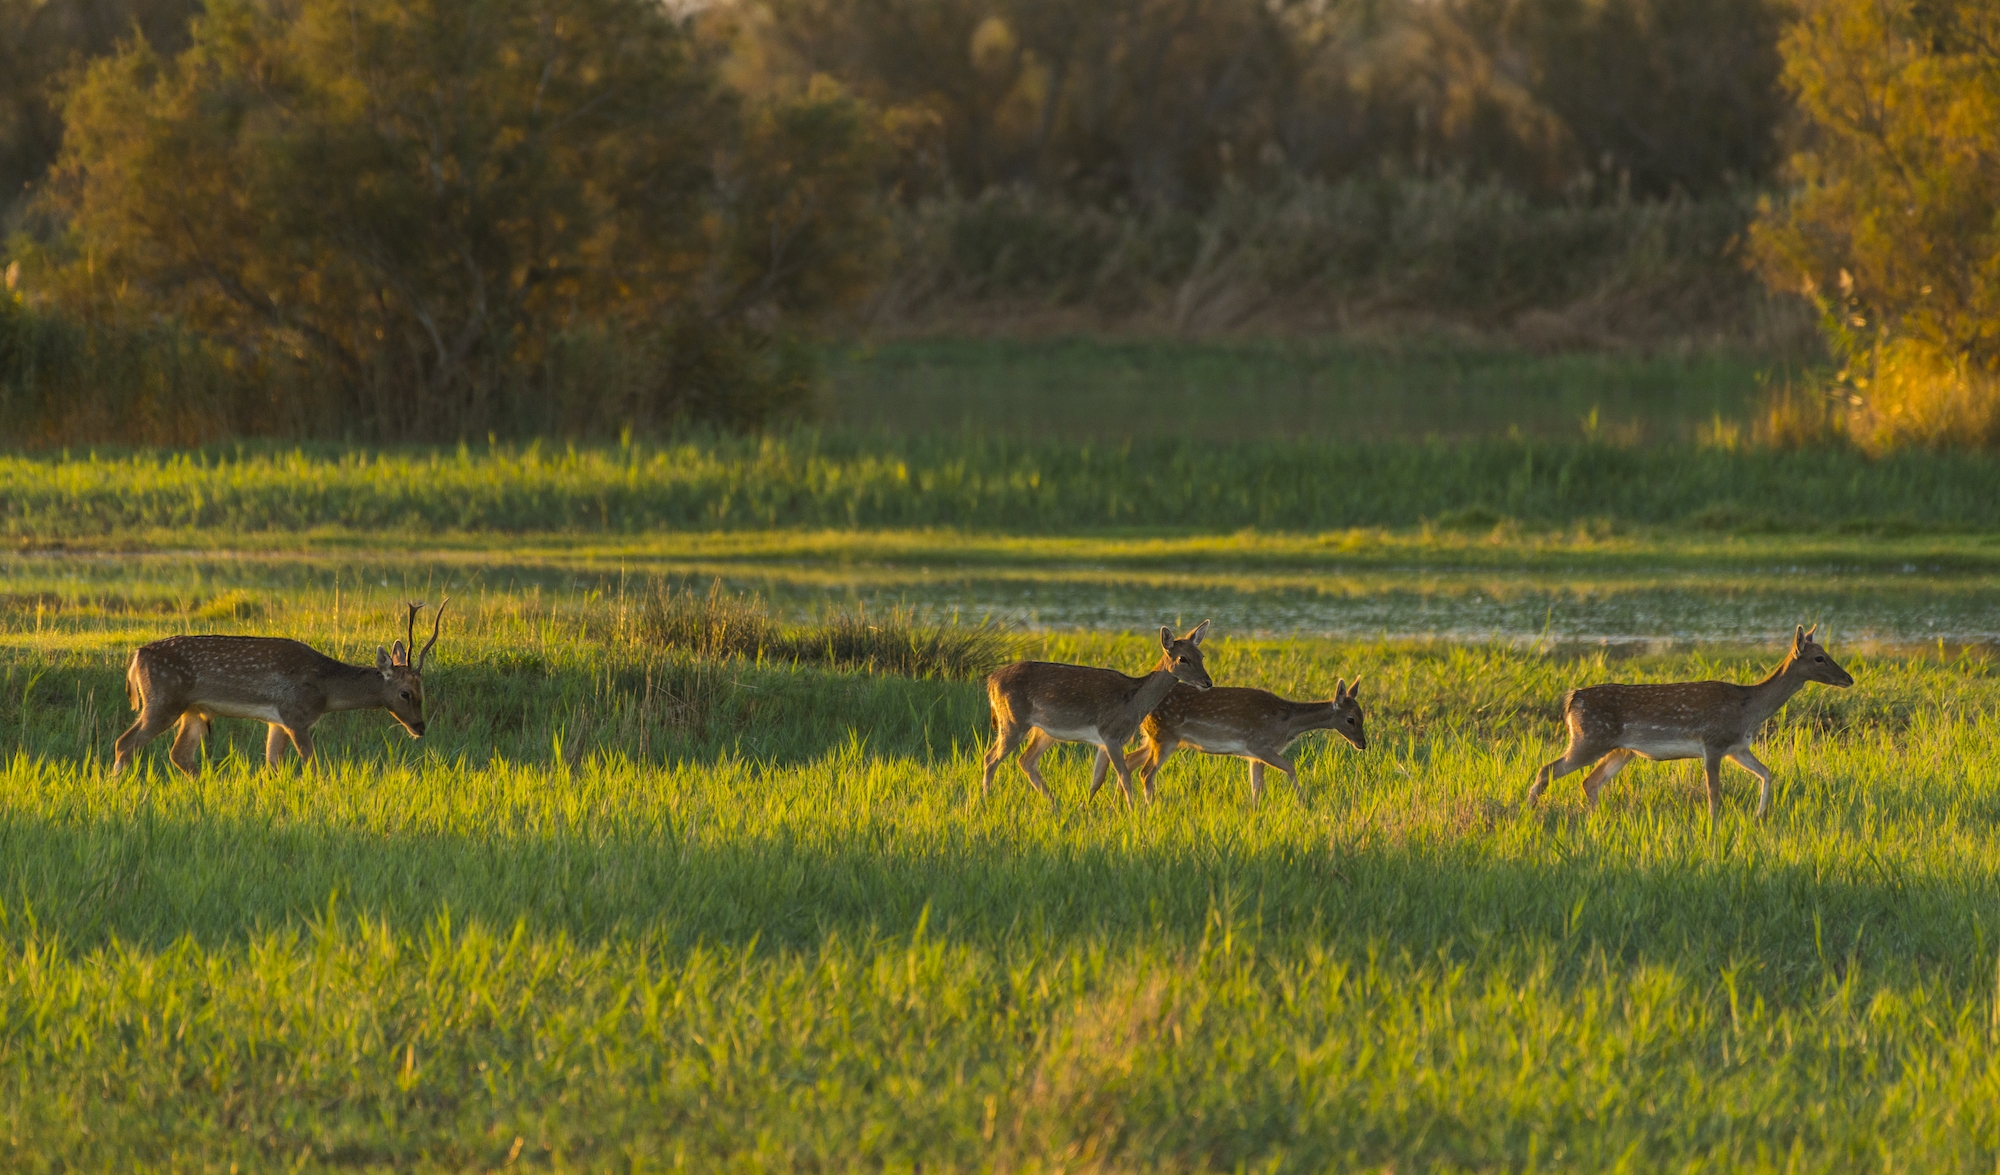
1198, 631
1354, 690
1798, 636
398, 655
1811, 631
382, 660
1340, 689
1166, 637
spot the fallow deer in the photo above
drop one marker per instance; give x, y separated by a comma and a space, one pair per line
1251, 724
1706, 720
1046, 703
289, 685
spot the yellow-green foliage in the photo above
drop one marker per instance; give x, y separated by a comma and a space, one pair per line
1891, 223
625, 911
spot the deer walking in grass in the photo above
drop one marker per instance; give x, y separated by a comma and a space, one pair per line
1706, 720
1046, 703
193, 680
1251, 724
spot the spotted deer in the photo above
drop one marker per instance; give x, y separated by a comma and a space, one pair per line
1046, 703
1251, 724
1706, 720
194, 680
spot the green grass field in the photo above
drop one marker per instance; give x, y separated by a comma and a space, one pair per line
624, 908
633, 907
1327, 390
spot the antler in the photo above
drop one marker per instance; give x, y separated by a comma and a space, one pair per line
410, 629
437, 623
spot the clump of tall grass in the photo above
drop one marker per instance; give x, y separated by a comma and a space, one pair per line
1898, 394
1910, 393
721, 624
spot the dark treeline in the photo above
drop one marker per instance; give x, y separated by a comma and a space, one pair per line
438, 219
1170, 100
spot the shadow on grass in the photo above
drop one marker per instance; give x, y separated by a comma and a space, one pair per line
150, 880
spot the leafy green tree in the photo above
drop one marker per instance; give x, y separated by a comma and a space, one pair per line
40, 40
421, 206
1893, 219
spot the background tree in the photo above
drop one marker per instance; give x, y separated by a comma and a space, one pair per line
40, 41
1893, 222
1167, 101
420, 201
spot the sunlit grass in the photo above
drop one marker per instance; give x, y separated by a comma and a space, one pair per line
630, 907
1008, 486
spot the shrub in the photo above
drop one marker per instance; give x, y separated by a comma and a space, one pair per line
1890, 224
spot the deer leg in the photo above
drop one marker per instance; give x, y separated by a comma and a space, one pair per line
1711, 762
1748, 762
1117, 763
1256, 782
1610, 765
1277, 759
1038, 742
186, 751
1572, 759
148, 727
1149, 758
1098, 767
1007, 735
275, 741
302, 741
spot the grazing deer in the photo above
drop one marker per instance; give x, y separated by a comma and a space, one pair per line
1048, 703
1706, 720
1251, 724
197, 679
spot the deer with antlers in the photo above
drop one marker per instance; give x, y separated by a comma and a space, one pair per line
286, 684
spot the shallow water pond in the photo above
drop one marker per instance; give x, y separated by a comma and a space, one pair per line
1867, 606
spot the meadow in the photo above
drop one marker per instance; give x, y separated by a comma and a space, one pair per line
648, 898
629, 907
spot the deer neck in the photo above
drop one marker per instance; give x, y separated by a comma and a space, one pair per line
1308, 716
1769, 696
353, 687
1155, 688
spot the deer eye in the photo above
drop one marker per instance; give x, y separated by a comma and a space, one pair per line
1819, 658
406, 695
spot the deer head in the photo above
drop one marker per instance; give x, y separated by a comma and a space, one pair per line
1813, 662
1183, 655
1347, 713
402, 681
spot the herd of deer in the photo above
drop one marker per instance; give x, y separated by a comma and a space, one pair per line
1176, 705
192, 680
